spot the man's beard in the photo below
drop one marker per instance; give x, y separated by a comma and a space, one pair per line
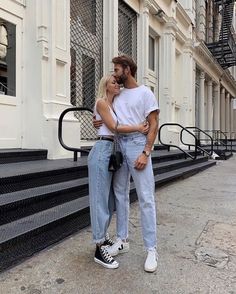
121, 80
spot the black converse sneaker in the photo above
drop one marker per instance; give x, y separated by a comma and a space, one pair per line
108, 241
103, 258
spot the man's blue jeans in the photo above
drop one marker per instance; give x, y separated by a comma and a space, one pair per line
132, 146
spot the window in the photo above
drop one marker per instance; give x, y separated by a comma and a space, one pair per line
151, 53
7, 58
88, 81
86, 50
127, 32
73, 76
86, 58
84, 12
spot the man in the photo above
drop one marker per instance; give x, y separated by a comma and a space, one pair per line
133, 105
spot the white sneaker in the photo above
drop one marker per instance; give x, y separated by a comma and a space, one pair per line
118, 248
151, 261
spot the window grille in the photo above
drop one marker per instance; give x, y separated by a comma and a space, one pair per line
127, 32
86, 58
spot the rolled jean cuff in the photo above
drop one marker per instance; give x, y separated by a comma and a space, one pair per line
122, 238
151, 248
99, 241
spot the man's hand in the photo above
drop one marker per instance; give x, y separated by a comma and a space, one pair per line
143, 128
97, 123
141, 162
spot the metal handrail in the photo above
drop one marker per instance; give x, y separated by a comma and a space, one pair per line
226, 139
176, 146
199, 140
219, 132
60, 121
224, 142
232, 135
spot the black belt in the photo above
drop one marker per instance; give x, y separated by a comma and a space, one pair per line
105, 138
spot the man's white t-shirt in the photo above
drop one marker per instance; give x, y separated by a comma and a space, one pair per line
132, 106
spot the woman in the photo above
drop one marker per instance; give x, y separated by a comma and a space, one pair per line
99, 177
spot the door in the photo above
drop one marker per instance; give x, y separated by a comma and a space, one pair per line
10, 80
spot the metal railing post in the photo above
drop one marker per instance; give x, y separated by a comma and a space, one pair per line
60, 133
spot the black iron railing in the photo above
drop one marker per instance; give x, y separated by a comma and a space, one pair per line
60, 130
226, 140
232, 136
194, 156
220, 139
200, 140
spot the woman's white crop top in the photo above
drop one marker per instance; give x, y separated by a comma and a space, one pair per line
104, 130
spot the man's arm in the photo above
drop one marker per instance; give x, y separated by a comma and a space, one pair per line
153, 120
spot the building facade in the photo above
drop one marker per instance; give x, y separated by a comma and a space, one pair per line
54, 52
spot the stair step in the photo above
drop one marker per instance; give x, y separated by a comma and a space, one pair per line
21, 155
165, 166
160, 147
24, 237
19, 176
25, 175
224, 155
165, 155
182, 172
30, 223
22, 203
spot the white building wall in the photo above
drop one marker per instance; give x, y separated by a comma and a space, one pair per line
44, 75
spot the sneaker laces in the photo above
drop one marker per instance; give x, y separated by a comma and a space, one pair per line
108, 240
106, 255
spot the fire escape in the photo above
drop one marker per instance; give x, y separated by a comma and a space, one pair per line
224, 49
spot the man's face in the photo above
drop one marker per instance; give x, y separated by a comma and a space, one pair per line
119, 74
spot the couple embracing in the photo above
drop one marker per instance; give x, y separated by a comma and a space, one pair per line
132, 113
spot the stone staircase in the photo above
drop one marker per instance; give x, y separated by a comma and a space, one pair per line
43, 201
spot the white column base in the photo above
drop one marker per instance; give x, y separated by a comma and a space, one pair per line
70, 135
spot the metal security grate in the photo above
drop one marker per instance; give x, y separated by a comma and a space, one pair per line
86, 58
127, 33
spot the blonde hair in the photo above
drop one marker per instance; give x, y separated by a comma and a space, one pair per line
102, 87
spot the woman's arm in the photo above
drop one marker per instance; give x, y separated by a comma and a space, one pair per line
104, 111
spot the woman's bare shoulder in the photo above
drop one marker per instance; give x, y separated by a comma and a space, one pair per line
101, 103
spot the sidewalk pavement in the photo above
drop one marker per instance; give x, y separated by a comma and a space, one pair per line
197, 247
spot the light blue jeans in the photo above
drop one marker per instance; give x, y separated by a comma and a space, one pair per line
132, 146
100, 191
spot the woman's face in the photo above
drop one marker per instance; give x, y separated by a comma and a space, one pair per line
112, 86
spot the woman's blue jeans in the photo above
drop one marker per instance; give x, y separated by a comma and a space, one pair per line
132, 146
100, 193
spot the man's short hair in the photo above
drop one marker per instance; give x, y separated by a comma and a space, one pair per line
126, 61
